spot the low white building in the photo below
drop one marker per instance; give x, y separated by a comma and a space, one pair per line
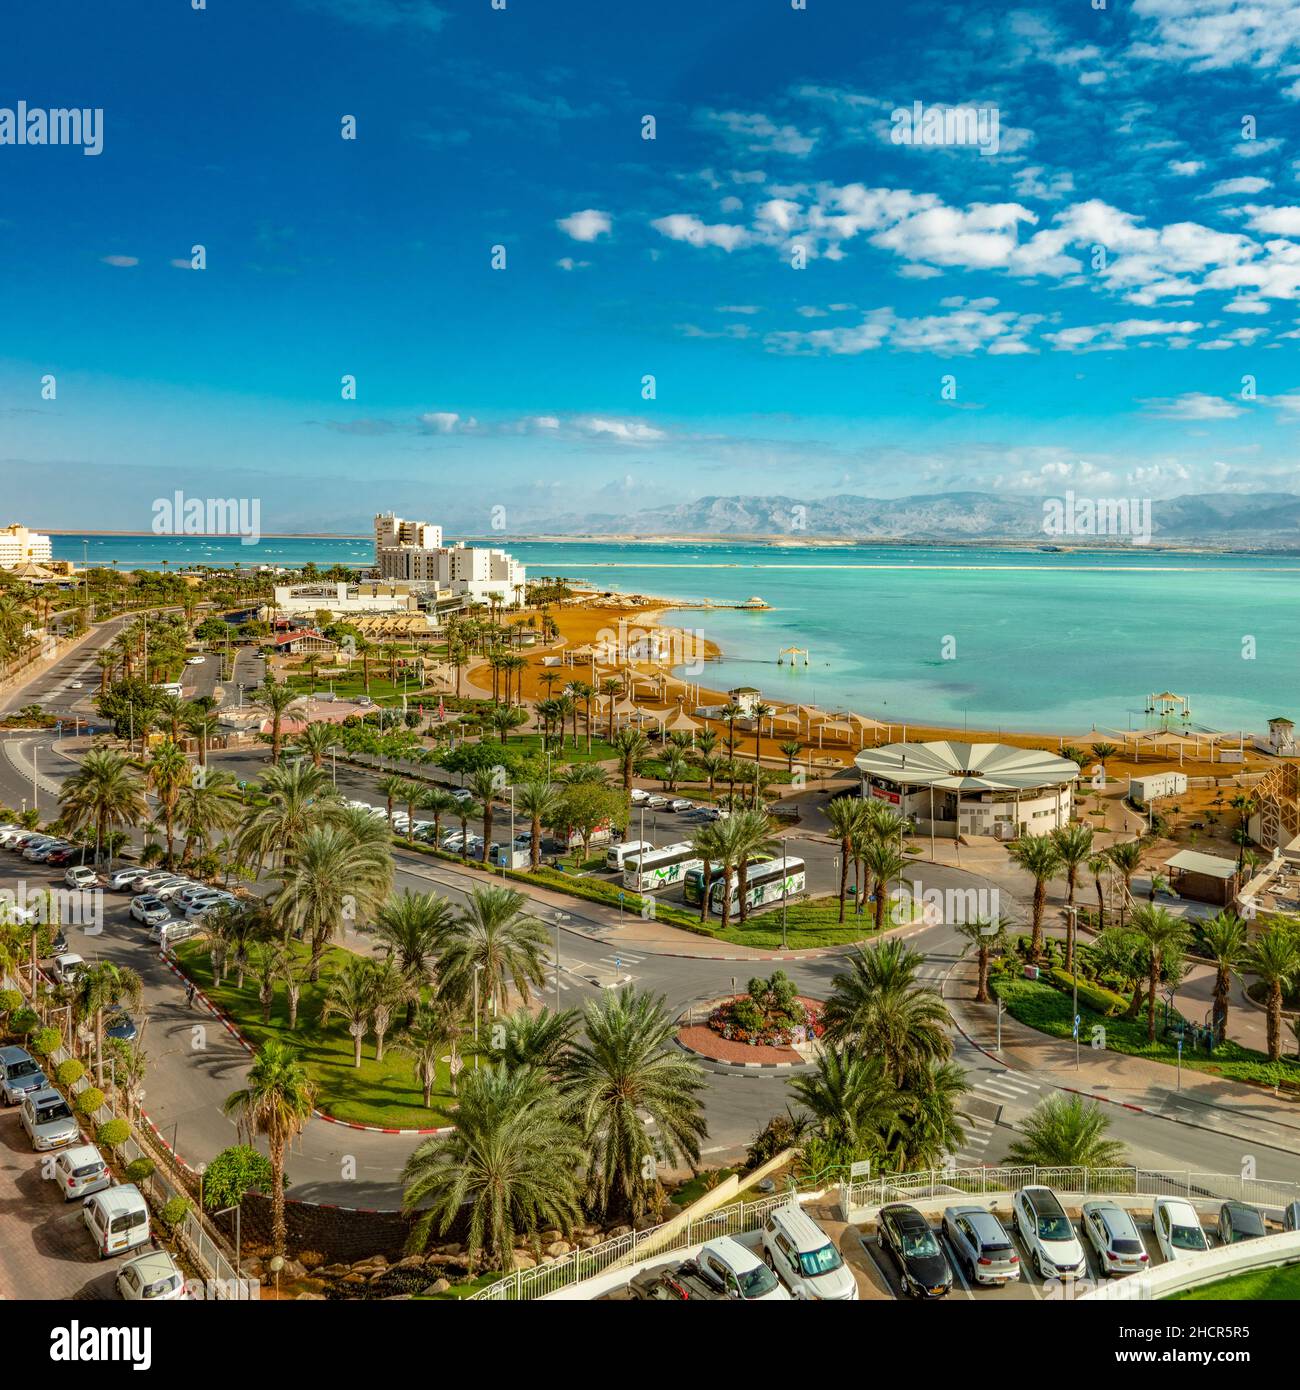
949, 788
1157, 784
342, 599
18, 545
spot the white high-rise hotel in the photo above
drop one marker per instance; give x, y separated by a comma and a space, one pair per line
413, 551
18, 545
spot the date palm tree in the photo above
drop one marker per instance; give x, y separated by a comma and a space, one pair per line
393, 789
1224, 941
276, 1102
348, 997
749, 836
333, 877
1099, 865
611, 688
166, 773
539, 801
494, 937
710, 843
625, 1068
486, 784
104, 793
885, 863
853, 1102
294, 797
1275, 958
511, 1167
1067, 1132
104, 986
1039, 857
673, 766
1074, 845
845, 815
1103, 752
439, 802
1127, 859
405, 929
315, 740
202, 725
879, 1006
279, 699
791, 748
537, 1040
436, 1025
989, 937
1164, 938
631, 745
929, 1130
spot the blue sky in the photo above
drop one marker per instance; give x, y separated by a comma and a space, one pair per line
1119, 129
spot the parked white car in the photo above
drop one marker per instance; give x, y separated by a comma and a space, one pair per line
80, 876
81, 1170
154, 1277
805, 1258
1114, 1235
68, 967
195, 660
740, 1271
1179, 1233
1048, 1235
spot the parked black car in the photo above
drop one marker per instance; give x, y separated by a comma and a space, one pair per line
675, 1283
1238, 1222
922, 1265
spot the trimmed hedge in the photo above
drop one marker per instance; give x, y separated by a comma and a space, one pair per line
69, 1073
90, 1100
45, 1040
173, 1212
112, 1133
139, 1170
1099, 999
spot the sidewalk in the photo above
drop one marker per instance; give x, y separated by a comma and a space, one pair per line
1208, 1102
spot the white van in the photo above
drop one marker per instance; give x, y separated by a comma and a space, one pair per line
168, 933
805, 1258
117, 1219
629, 849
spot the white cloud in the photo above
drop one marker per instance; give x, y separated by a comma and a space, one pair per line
1112, 337
759, 134
1275, 221
1194, 405
447, 422
623, 431
1214, 34
122, 261
586, 225
1229, 188
962, 331
568, 263
1184, 168
684, 226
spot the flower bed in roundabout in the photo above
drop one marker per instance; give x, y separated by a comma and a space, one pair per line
769, 1025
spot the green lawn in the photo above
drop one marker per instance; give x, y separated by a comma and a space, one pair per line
377, 1093
1048, 1010
808, 923
382, 691
1255, 1286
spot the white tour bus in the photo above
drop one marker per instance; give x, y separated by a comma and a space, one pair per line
764, 883
644, 873
615, 855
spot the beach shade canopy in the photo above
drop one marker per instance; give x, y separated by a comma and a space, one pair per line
625, 706
951, 766
788, 721
834, 726
861, 720
681, 722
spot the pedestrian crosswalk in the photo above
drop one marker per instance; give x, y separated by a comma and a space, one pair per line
1007, 1086
997, 1088
609, 971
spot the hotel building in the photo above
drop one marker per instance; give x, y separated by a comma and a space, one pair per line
413, 552
18, 545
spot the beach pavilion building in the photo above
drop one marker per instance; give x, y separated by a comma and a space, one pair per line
949, 788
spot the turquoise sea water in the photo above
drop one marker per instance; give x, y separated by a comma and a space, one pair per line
1044, 641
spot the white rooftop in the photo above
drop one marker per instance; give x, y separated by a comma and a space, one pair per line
948, 765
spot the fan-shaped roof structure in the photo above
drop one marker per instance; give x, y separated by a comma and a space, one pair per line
948, 765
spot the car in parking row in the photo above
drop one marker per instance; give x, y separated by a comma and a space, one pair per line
905, 1236
1048, 1234
19, 1074
1113, 1234
48, 1119
981, 1245
1178, 1228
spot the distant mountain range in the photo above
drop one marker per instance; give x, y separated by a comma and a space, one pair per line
1241, 520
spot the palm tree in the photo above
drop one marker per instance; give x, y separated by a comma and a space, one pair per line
711, 844
1074, 845
389, 989
279, 699
1099, 865
167, 771
295, 796
852, 1100
1067, 1132
1275, 958
348, 996
1224, 940
791, 748
537, 1040
406, 929
439, 802
436, 1025
760, 712
611, 688
276, 1103
627, 1067
169, 715
673, 767
316, 739
1102, 752
879, 1006
104, 792
929, 1130
266, 963
1245, 805
333, 876
393, 789
988, 935
104, 986
885, 862
208, 803
1164, 938
1039, 857
511, 1165
539, 801
1119, 951
204, 726
495, 939
1127, 859
748, 836
845, 815
485, 783
631, 745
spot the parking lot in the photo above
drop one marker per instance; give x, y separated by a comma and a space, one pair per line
46, 1252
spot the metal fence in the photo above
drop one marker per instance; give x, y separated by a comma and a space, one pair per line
1083, 1182
220, 1279
859, 1193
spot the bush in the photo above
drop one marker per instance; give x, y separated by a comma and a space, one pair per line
173, 1212
90, 1100
1101, 1001
112, 1133
10, 999
233, 1173
69, 1073
45, 1040
23, 1020
139, 1170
